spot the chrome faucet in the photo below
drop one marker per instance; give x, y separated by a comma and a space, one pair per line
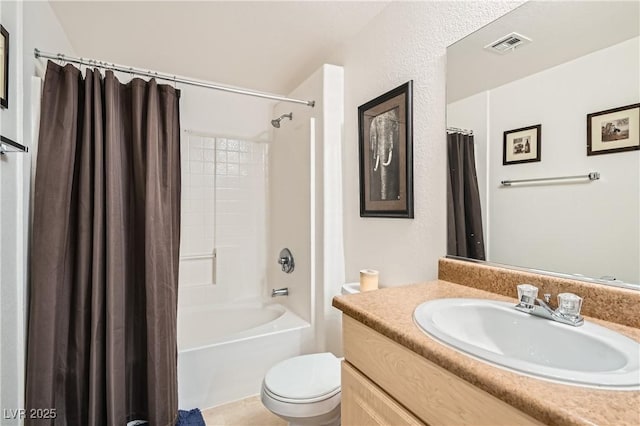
568, 311
285, 259
280, 292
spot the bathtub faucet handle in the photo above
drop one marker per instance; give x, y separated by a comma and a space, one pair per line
280, 292
286, 260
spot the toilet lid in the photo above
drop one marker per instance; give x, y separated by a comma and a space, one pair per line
304, 377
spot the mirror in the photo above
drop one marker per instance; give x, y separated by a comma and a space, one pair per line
550, 64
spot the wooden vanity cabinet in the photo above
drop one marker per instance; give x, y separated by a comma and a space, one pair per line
364, 403
384, 383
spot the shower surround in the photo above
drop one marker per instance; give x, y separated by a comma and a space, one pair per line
223, 247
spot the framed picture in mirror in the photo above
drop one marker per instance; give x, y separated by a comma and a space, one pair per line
613, 130
386, 154
522, 145
4, 67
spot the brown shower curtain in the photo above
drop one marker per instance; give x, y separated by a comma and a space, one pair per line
464, 216
104, 254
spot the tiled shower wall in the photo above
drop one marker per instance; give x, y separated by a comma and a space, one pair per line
223, 242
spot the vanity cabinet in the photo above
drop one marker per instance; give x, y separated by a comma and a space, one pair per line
385, 383
364, 403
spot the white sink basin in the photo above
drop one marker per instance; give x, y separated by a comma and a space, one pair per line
496, 333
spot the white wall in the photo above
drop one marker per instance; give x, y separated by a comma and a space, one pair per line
407, 41
305, 203
290, 195
226, 114
30, 25
590, 229
293, 192
331, 228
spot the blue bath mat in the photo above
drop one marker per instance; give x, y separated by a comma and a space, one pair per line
190, 418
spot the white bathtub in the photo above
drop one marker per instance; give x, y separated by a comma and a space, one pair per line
224, 352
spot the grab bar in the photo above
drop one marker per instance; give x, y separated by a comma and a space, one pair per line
204, 256
198, 256
591, 177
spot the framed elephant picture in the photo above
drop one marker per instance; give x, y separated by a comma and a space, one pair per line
386, 154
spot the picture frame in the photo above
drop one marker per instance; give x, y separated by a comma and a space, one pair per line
523, 145
4, 67
613, 130
385, 136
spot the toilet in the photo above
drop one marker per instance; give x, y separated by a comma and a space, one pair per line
305, 390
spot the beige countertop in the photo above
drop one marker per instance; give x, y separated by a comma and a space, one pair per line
390, 312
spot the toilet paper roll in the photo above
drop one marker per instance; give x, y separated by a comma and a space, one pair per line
368, 279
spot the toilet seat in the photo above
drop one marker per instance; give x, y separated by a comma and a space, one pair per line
300, 401
304, 379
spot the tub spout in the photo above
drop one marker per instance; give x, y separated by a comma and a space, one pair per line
280, 292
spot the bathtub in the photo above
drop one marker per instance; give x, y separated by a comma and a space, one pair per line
224, 352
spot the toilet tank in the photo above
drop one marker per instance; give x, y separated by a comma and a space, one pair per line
351, 288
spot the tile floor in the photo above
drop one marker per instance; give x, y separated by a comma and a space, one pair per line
246, 412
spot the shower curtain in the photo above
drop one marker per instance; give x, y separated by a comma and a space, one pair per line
464, 217
104, 260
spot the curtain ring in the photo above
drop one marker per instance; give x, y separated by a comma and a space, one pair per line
175, 83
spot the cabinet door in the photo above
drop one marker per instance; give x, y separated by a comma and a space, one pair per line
435, 395
364, 403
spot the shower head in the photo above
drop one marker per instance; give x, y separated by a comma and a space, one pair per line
276, 122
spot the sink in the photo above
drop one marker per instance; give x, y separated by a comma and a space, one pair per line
496, 333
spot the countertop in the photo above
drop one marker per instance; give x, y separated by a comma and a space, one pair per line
389, 311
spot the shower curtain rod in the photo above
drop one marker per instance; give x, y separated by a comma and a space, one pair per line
176, 79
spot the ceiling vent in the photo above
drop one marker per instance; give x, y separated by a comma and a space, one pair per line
507, 43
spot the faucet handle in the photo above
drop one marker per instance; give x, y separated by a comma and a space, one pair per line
569, 305
527, 295
285, 259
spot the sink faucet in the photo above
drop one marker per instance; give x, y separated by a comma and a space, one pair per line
568, 311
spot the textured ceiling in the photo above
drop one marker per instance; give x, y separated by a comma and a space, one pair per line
263, 45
